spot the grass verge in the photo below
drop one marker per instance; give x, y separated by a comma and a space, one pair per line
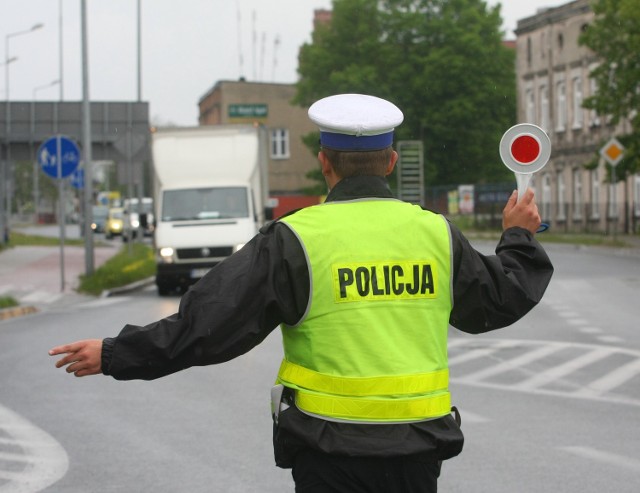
121, 269
20, 239
7, 302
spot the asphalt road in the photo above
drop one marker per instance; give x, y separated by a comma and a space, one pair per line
549, 404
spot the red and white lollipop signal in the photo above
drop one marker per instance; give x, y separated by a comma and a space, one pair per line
525, 148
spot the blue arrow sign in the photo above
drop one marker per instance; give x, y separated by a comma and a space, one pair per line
77, 178
58, 156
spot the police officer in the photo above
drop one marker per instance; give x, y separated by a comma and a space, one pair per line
364, 287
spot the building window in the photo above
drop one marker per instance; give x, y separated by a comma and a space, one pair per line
530, 106
529, 54
577, 194
544, 107
577, 102
279, 143
594, 118
636, 195
562, 215
595, 194
546, 196
561, 118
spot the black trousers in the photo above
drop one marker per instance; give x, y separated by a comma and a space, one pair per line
317, 472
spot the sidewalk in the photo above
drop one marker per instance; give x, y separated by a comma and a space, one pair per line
35, 275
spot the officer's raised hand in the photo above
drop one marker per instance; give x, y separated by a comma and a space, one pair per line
521, 213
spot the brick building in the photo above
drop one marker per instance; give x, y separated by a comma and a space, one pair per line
268, 104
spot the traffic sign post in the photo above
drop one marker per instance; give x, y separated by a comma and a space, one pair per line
77, 179
525, 148
59, 156
613, 152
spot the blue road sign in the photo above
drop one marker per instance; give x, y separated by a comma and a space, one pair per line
62, 148
77, 178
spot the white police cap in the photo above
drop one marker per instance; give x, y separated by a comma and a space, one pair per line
355, 122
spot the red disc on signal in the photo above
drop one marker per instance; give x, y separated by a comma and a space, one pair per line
525, 149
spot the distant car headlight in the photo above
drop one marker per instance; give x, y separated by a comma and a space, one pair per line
238, 247
135, 224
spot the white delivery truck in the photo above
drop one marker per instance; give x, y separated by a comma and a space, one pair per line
211, 190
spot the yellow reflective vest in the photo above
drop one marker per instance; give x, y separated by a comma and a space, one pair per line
372, 345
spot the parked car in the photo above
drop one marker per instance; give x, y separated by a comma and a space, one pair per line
100, 214
114, 224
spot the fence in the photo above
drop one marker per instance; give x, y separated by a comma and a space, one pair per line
563, 217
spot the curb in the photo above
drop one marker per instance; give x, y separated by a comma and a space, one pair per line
19, 311
16, 311
129, 287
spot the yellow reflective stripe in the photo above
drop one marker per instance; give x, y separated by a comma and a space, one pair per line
364, 409
418, 383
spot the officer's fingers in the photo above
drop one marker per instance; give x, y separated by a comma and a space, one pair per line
68, 359
512, 201
86, 371
527, 198
65, 348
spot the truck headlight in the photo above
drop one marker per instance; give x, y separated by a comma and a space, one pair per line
166, 254
238, 247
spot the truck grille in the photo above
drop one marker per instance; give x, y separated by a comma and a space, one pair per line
204, 252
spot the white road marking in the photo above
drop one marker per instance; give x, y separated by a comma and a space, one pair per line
591, 330
469, 417
104, 302
517, 362
40, 297
613, 379
607, 388
480, 353
564, 369
45, 460
607, 457
611, 339
577, 321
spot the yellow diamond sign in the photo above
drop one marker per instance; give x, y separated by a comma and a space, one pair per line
612, 151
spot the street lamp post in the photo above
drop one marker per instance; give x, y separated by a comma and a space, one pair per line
6, 171
3, 187
36, 174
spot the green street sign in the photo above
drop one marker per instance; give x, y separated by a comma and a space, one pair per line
248, 110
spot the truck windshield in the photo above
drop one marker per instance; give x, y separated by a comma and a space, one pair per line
205, 203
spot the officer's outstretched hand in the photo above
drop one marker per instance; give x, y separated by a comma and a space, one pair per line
523, 213
82, 357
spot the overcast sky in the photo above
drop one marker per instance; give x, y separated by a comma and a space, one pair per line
186, 47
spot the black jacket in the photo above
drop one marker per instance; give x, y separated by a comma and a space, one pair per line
240, 301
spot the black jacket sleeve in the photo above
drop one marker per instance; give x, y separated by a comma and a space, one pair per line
494, 291
225, 314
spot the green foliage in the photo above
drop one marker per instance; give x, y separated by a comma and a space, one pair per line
441, 61
611, 36
120, 270
7, 302
24, 185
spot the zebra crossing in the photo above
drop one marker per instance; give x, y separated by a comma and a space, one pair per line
564, 369
30, 458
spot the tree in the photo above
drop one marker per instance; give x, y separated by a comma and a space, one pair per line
441, 61
612, 36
